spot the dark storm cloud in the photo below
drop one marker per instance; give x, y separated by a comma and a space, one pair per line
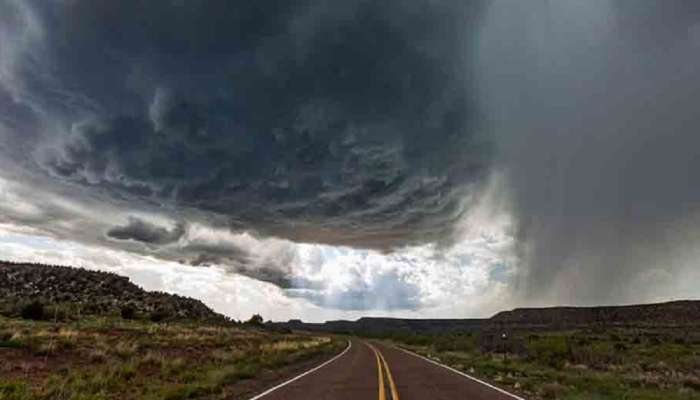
146, 232
351, 124
594, 108
275, 268
363, 123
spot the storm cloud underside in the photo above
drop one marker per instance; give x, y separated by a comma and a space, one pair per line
350, 124
554, 141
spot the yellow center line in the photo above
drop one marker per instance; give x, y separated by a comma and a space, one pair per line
381, 376
394, 392
392, 386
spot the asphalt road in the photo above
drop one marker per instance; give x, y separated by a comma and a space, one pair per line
370, 370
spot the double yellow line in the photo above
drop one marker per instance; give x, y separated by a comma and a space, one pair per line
392, 386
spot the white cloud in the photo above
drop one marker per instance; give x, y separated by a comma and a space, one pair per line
468, 277
336, 282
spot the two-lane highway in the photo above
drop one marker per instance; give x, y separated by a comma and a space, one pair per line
372, 370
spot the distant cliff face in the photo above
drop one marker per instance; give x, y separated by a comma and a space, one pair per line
91, 292
677, 313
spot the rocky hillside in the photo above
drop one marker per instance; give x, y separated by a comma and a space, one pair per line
80, 291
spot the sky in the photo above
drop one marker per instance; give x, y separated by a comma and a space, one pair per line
307, 160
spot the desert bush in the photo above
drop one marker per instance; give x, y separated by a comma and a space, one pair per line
126, 349
11, 307
692, 382
186, 391
552, 390
159, 315
412, 339
10, 344
57, 312
33, 310
151, 359
620, 347
455, 342
233, 373
679, 340
97, 355
5, 335
127, 312
44, 348
597, 354
14, 390
173, 366
552, 351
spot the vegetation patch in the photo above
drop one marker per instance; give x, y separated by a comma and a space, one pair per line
592, 364
117, 358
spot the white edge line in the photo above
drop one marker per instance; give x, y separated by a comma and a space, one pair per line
285, 383
461, 373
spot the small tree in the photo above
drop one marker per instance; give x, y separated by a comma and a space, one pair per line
255, 320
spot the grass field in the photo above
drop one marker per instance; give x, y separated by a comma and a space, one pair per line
113, 358
594, 364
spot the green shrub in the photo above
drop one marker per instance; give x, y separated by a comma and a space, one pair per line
11, 344
13, 391
552, 351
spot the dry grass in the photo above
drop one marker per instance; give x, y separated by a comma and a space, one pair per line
117, 359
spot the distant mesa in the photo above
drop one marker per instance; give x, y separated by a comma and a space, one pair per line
684, 313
